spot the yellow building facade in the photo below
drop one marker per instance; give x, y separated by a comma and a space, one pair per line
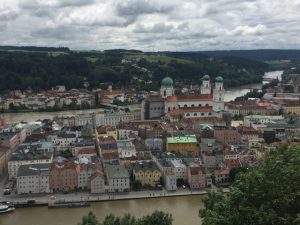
183, 144
147, 173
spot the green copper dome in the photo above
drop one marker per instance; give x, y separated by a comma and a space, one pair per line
205, 77
167, 82
219, 79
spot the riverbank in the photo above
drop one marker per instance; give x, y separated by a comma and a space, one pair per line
21, 200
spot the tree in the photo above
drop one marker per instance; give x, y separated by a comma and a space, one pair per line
90, 219
136, 184
156, 218
266, 195
235, 171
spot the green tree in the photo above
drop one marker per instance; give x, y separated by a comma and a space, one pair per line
157, 218
90, 219
266, 195
136, 184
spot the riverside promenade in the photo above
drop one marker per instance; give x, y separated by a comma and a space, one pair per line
85, 196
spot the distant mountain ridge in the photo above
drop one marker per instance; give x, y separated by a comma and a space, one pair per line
34, 48
259, 54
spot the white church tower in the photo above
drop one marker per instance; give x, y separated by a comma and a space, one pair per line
205, 86
166, 87
218, 95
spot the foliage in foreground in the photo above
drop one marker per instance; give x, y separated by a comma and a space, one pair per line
268, 194
156, 218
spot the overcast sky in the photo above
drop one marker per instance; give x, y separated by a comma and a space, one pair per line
159, 25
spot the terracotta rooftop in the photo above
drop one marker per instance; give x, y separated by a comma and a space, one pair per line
202, 97
87, 151
64, 165
181, 111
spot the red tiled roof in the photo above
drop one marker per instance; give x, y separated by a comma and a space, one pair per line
171, 99
224, 171
87, 151
106, 139
202, 97
110, 155
181, 111
67, 164
96, 174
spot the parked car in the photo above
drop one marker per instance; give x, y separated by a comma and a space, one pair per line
6, 192
30, 201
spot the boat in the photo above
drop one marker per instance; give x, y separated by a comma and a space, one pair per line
6, 207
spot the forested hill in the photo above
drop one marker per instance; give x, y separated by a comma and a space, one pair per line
34, 49
260, 55
43, 68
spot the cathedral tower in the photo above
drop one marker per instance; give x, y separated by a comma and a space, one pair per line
166, 87
205, 86
218, 95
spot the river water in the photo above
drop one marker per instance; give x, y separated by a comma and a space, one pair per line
184, 210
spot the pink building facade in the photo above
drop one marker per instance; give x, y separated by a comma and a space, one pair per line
63, 176
196, 177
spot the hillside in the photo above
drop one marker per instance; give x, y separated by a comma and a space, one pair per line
43, 68
259, 55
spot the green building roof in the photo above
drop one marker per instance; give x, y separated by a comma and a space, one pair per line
116, 171
167, 82
205, 77
182, 139
219, 79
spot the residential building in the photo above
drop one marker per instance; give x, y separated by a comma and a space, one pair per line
126, 149
26, 156
33, 179
112, 118
9, 140
154, 144
3, 163
87, 153
106, 131
147, 173
179, 169
227, 136
186, 145
222, 177
97, 183
83, 144
196, 176
63, 176
117, 178
63, 140
84, 172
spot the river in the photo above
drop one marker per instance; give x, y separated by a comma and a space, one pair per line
184, 210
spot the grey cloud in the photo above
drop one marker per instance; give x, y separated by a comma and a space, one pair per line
139, 7
7, 14
147, 24
156, 28
33, 4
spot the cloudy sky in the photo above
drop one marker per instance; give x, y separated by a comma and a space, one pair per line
159, 25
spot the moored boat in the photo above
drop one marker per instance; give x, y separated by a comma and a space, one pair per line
6, 207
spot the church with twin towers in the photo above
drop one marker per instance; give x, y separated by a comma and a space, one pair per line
209, 103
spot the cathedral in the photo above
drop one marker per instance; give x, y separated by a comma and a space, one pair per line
209, 103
